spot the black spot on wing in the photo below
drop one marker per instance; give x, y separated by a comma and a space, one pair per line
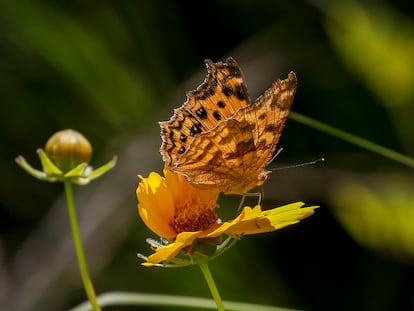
195, 129
227, 91
217, 115
241, 93
202, 113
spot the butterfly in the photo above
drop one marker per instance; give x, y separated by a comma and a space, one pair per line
219, 138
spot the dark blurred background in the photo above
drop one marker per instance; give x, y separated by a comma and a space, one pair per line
111, 70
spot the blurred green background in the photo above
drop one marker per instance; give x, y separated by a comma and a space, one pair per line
111, 70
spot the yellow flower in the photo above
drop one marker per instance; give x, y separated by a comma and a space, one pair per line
176, 210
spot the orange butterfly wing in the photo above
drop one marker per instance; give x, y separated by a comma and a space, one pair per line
218, 138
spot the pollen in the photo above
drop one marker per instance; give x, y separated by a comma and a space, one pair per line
193, 216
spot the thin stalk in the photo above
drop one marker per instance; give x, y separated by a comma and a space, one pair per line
87, 283
211, 285
353, 139
118, 299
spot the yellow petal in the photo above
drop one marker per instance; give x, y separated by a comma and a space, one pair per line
247, 214
290, 212
169, 251
274, 219
254, 220
183, 191
156, 206
175, 184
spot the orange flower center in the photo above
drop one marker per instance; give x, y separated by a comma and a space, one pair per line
193, 216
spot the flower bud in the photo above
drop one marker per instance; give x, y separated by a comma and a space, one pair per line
67, 149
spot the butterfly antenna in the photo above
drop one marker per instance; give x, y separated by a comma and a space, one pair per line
298, 165
278, 151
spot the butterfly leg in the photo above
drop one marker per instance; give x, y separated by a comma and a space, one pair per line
258, 195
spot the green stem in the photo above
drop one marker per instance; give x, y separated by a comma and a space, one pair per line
87, 283
388, 153
211, 285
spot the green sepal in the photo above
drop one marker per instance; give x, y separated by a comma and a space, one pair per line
29, 169
101, 170
77, 171
80, 175
48, 166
